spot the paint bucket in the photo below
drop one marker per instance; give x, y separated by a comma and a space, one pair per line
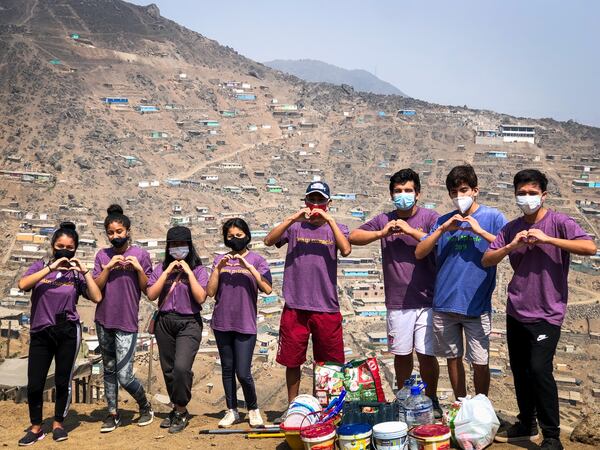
355, 436
430, 437
318, 437
302, 407
390, 436
292, 437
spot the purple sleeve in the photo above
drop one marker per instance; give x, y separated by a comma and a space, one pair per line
201, 276
500, 240
285, 237
572, 231
156, 273
97, 265
35, 267
264, 269
344, 229
82, 286
433, 218
372, 225
146, 263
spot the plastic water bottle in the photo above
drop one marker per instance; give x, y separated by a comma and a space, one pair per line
401, 397
418, 408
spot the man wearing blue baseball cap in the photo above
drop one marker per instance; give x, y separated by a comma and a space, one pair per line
313, 239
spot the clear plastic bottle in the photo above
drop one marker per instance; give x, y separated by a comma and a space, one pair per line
418, 408
401, 396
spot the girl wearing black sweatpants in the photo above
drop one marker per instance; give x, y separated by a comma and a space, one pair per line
179, 284
55, 330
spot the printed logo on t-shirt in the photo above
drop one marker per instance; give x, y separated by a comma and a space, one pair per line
56, 282
461, 242
315, 241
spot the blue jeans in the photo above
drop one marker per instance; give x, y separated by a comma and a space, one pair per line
118, 350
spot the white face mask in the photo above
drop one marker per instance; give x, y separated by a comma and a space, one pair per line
179, 253
463, 203
529, 204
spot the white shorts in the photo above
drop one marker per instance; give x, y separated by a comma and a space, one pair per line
410, 329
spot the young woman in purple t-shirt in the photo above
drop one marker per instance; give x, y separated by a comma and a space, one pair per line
235, 281
55, 330
121, 271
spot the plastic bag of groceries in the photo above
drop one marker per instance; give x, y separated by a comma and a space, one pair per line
473, 422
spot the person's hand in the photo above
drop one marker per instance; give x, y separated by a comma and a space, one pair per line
223, 261
536, 236
117, 259
475, 227
301, 216
173, 266
245, 262
519, 241
390, 228
319, 213
60, 264
134, 262
453, 223
78, 266
186, 268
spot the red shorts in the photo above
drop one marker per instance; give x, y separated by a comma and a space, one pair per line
294, 330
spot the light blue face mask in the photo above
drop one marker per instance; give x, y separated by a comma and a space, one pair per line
404, 200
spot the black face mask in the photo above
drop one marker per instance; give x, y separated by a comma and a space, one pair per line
237, 244
119, 242
64, 253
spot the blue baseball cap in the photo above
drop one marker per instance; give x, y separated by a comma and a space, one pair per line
320, 187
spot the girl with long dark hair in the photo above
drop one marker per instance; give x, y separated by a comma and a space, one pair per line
235, 281
55, 330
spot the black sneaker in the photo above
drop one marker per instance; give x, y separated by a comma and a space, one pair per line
111, 422
179, 422
437, 409
146, 416
166, 422
516, 433
551, 444
31, 438
59, 434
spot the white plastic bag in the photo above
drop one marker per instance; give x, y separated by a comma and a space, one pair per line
476, 423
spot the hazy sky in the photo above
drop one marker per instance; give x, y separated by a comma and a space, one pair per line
532, 58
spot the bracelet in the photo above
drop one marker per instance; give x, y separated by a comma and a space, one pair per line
86, 272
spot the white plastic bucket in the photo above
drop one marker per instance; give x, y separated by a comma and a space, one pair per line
390, 436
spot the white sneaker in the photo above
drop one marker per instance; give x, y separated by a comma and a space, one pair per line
255, 418
231, 417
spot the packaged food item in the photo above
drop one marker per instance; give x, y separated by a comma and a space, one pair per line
328, 381
362, 381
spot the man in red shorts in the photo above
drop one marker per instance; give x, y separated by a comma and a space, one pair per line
310, 284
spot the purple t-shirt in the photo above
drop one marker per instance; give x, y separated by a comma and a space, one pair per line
235, 308
180, 299
539, 289
120, 303
57, 292
408, 281
310, 275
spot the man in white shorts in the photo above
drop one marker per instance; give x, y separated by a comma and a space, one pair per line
408, 281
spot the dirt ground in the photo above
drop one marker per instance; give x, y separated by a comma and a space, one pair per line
83, 425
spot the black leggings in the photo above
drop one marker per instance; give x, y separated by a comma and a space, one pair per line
236, 350
60, 342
